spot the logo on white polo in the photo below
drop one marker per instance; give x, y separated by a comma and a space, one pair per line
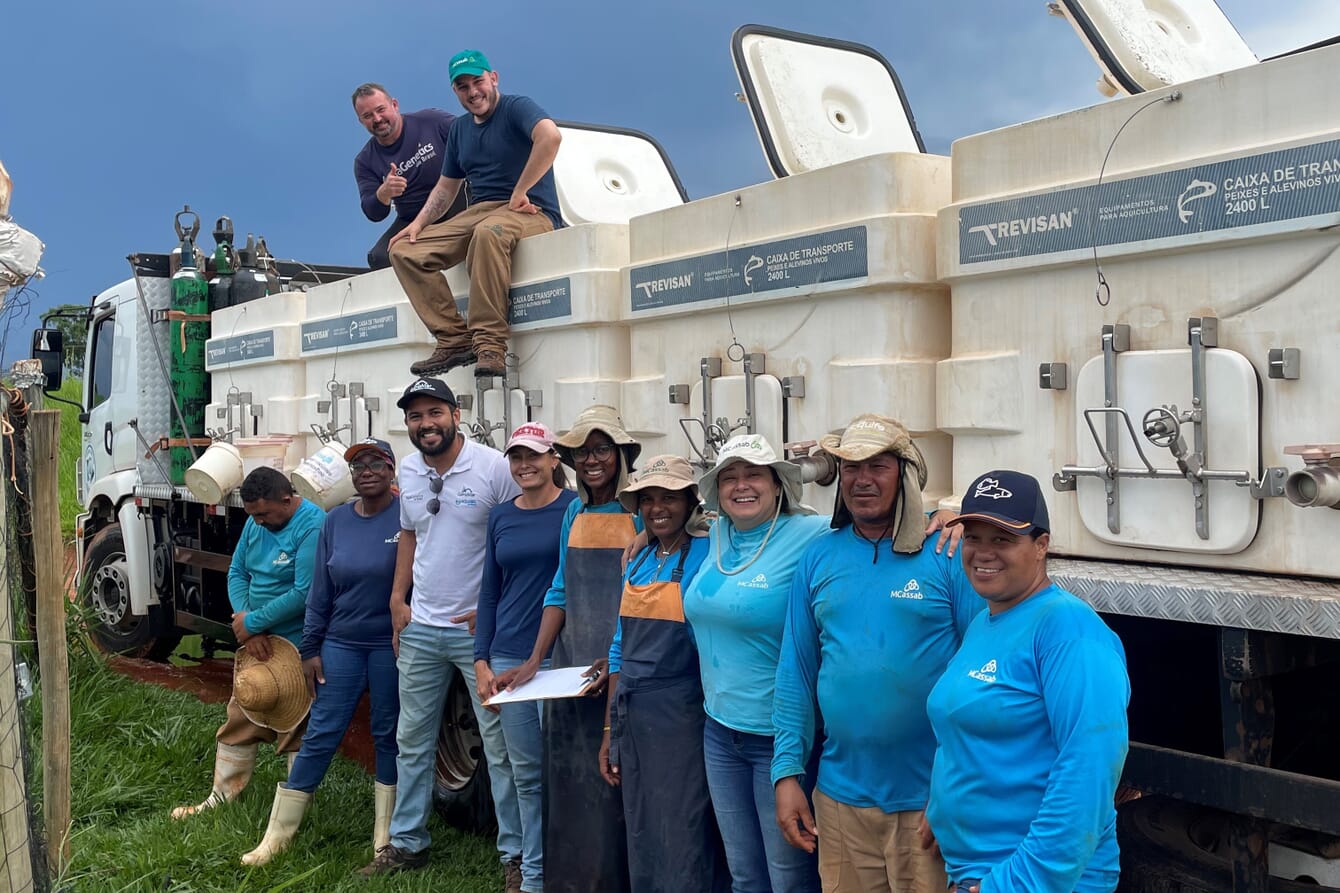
760, 581
987, 673
911, 590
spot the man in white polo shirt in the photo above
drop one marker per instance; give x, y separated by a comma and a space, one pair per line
446, 491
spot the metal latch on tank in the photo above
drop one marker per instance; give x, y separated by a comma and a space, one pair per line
717, 429
354, 391
1162, 427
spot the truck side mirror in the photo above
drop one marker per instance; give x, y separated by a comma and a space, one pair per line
49, 347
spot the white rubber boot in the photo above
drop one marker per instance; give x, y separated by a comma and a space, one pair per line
384, 802
285, 817
233, 765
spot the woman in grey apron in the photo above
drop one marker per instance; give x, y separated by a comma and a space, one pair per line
584, 840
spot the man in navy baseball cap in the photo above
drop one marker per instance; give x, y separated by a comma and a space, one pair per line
1010, 500
428, 387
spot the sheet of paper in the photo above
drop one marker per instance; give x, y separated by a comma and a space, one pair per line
568, 682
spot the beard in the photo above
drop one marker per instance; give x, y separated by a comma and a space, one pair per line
446, 437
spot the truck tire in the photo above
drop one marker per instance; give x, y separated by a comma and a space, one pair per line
461, 792
104, 592
1168, 846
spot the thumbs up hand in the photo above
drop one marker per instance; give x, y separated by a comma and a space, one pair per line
393, 186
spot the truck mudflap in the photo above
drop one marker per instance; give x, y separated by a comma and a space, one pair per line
1213, 598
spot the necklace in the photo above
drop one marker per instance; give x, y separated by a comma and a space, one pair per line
663, 555
776, 514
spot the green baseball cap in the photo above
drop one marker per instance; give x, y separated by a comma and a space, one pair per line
471, 62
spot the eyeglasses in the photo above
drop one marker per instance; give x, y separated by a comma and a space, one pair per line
434, 504
602, 452
377, 465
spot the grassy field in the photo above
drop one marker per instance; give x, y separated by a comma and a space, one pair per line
69, 454
139, 750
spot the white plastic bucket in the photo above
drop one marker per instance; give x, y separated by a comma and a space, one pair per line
217, 472
324, 478
260, 452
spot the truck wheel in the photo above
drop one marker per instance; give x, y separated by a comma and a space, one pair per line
1168, 846
461, 792
104, 591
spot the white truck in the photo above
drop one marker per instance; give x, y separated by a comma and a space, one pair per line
1133, 301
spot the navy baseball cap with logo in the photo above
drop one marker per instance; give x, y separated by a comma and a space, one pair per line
428, 387
1010, 500
370, 445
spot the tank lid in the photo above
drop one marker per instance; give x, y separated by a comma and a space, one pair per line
611, 174
1143, 46
817, 102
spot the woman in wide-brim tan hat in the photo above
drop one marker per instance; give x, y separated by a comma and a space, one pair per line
653, 748
737, 605
584, 847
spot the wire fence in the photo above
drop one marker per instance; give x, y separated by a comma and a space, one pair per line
24, 865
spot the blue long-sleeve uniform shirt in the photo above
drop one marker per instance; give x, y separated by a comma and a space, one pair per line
868, 632
738, 619
271, 572
1030, 716
645, 573
350, 598
520, 558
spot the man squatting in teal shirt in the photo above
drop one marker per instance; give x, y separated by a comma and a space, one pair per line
874, 617
268, 580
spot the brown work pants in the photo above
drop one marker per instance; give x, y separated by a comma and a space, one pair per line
237, 730
484, 236
863, 849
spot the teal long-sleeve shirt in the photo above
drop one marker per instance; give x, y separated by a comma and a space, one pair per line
557, 596
868, 632
271, 572
1030, 717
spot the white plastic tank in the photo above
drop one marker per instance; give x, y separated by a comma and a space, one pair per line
1214, 232
257, 375
823, 282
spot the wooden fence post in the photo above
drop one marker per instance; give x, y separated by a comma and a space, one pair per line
44, 453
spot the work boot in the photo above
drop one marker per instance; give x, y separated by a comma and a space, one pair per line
391, 859
442, 360
285, 817
384, 803
491, 363
233, 764
512, 876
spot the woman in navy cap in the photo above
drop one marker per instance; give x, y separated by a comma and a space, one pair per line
346, 646
1029, 716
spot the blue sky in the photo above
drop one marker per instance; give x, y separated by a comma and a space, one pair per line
116, 114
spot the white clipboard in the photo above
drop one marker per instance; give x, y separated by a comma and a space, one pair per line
567, 682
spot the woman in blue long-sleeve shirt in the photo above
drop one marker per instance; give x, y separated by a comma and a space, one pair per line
1030, 715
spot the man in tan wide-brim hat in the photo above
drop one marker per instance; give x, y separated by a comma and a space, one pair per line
874, 603
268, 579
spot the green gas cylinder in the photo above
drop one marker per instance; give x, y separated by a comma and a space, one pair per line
188, 331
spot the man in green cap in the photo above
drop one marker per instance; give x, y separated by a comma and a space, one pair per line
505, 147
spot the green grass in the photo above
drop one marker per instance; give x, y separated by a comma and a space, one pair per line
138, 750
71, 389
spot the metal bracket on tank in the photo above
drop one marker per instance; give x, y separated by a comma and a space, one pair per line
1162, 427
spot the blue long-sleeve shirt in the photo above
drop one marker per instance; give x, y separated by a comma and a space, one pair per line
557, 596
271, 572
1030, 716
350, 597
868, 631
520, 558
647, 572
738, 619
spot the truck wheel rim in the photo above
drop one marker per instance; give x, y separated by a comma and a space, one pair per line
110, 591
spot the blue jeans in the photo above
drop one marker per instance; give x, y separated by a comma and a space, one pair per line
427, 656
525, 751
739, 775
349, 669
